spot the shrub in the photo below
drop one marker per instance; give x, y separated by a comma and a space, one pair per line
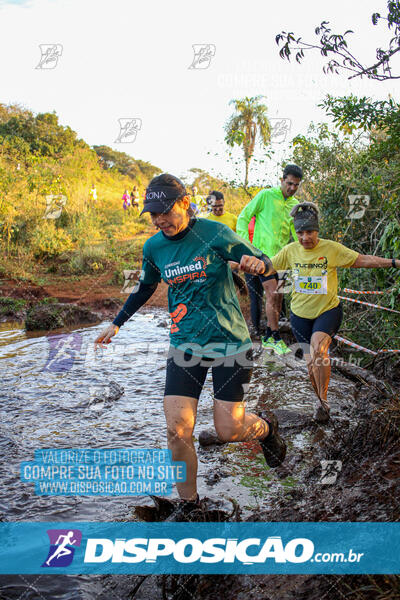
10, 306
90, 259
47, 241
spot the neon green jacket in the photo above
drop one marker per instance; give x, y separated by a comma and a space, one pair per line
273, 221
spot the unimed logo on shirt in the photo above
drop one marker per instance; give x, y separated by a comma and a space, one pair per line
196, 269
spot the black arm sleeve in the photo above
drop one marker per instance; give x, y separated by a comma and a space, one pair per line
267, 262
134, 302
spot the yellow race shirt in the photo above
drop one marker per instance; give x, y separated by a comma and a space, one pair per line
314, 275
227, 219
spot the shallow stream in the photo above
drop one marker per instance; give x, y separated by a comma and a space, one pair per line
50, 386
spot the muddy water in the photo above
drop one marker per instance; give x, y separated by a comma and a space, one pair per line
48, 400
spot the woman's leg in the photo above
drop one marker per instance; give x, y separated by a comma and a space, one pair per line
180, 413
321, 365
309, 362
230, 379
324, 328
302, 329
233, 424
184, 381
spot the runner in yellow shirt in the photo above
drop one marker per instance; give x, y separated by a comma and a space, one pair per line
218, 213
316, 311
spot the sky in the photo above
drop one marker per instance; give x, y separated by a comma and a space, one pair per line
131, 60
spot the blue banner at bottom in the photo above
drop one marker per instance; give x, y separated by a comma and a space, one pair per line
214, 548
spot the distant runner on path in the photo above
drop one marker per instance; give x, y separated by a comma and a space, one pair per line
93, 196
126, 198
316, 311
135, 197
207, 327
273, 225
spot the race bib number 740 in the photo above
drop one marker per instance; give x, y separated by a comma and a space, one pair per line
311, 285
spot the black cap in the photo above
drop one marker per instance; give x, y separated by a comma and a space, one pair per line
162, 193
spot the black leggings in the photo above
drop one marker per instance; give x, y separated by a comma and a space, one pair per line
328, 322
256, 291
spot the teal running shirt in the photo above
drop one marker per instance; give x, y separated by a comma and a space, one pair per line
202, 301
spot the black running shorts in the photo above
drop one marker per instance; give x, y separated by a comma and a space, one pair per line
328, 322
186, 375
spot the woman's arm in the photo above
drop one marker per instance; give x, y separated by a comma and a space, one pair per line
137, 298
254, 265
367, 261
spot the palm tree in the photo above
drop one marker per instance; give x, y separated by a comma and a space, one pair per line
242, 128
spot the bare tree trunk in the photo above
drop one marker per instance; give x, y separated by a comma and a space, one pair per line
246, 176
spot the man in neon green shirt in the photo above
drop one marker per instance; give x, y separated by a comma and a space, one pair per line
272, 230
218, 212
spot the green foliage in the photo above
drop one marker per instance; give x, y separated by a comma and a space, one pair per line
49, 241
41, 134
380, 118
39, 157
235, 197
49, 300
85, 229
147, 169
344, 162
125, 164
9, 306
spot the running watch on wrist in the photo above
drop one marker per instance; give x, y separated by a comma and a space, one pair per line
394, 263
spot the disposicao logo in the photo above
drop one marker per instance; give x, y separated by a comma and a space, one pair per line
191, 550
62, 547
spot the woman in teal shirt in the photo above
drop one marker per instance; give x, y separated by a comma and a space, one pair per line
207, 329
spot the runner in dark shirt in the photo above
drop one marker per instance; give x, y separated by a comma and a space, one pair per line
207, 330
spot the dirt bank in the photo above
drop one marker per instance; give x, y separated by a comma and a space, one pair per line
95, 292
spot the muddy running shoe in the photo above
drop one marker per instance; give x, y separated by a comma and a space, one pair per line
273, 446
268, 343
321, 412
279, 347
187, 511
